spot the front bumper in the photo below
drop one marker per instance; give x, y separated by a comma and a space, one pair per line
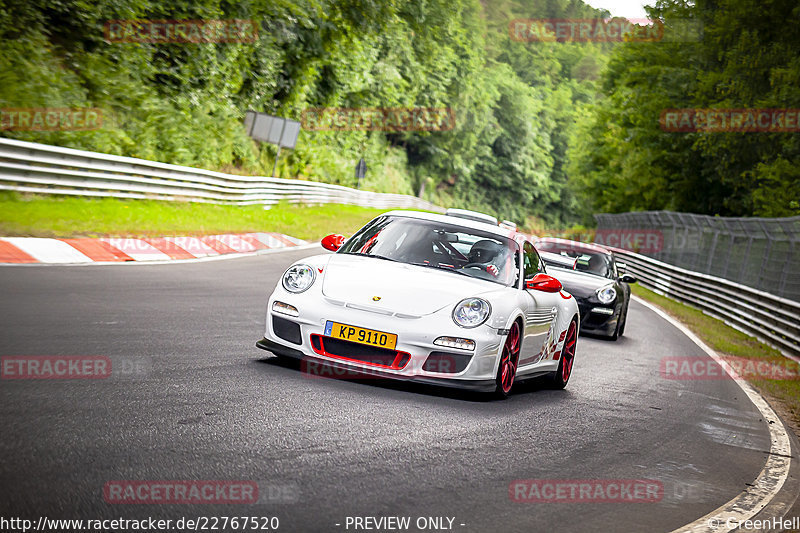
595, 322
303, 336
481, 385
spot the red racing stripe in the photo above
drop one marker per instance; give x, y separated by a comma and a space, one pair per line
217, 245
97, 250
283, 239
169, 248
11, 254
252, 240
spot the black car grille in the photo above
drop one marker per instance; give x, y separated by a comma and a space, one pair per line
364, 353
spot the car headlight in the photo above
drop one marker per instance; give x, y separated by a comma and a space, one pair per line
606, 294
471, 312
298, 278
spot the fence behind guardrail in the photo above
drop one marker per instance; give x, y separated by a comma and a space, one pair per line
762, 253
45, 169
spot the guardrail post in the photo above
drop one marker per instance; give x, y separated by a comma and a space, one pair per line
766, 258
787, 266
711, 251
743, 267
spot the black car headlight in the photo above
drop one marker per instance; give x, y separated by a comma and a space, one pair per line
606, 294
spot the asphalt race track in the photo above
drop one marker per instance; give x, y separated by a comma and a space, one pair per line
200, 402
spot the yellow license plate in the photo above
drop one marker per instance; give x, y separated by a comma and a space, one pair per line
360, 335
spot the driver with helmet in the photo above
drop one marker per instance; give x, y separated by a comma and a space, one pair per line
484, 254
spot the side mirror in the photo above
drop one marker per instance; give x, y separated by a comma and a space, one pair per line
627, 278
333, 242
544, 283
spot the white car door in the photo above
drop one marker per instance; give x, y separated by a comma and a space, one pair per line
540, 315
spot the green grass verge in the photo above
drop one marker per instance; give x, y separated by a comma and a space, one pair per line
727, 341
58, 216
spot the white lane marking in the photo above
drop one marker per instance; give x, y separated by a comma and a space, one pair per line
769, 481
48, 250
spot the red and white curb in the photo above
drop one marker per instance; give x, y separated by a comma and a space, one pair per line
21, 250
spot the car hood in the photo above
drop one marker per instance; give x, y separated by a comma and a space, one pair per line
400, 289
579, 284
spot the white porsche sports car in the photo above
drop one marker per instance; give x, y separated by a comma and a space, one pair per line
454, 300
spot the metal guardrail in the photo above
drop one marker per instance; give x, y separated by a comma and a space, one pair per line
769, 318
44, 169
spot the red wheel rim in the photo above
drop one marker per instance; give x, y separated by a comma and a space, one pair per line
508, 363
568, 353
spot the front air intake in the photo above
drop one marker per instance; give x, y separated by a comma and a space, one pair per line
446, 362
287, 330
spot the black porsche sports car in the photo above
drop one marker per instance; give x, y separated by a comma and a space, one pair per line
598, 283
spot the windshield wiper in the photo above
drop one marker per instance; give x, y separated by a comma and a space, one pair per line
372, 255
446, 269
383, 257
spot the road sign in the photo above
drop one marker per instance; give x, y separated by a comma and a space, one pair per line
291, 130
274, 130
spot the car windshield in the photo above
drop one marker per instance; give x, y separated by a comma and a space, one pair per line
439, 245
588, 260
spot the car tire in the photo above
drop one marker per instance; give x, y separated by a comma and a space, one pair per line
614, 336
509, 358
559, 378
624, 321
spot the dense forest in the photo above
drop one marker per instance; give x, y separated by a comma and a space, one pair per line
736, 54
553, 130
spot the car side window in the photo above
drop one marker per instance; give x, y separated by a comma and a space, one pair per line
532, 262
